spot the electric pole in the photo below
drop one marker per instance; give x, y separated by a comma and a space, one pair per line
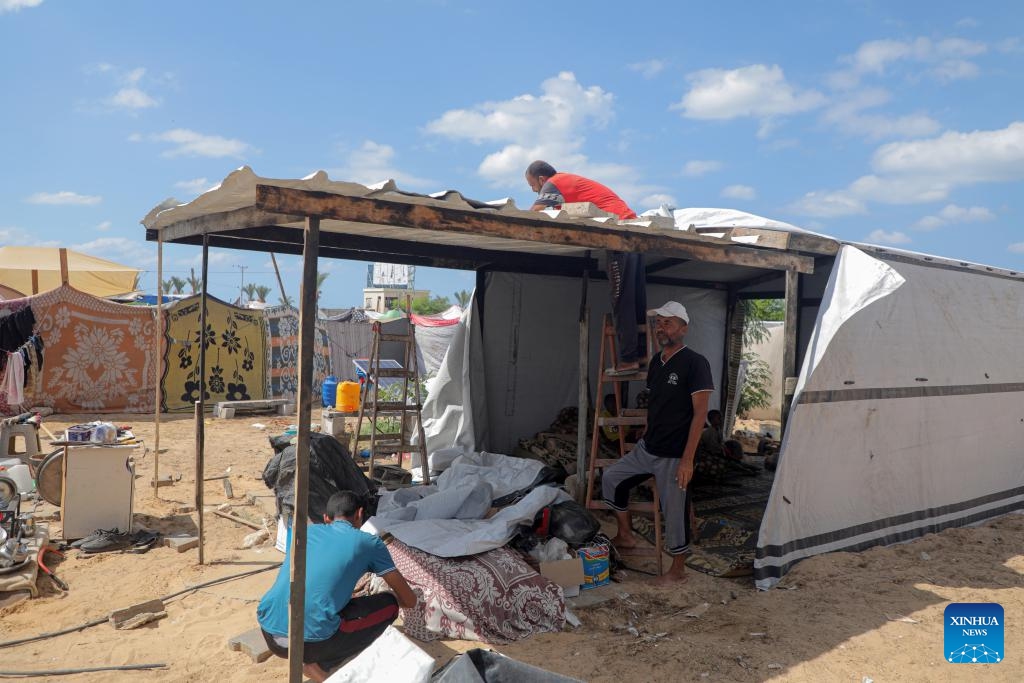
241, 287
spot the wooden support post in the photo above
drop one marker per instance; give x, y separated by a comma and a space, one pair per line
790, 339
159, 359
280, 283
201, 403
63, 266
583, 401
297, 551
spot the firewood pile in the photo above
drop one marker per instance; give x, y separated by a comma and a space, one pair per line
556, 445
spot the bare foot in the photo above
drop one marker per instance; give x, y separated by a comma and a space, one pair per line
621, 541
670, 579
314, 672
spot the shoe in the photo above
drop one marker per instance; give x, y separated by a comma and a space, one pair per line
92, 537
107, 541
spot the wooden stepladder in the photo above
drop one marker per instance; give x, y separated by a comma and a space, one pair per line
623, 420
388, 404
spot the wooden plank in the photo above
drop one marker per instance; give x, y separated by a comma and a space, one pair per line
246, 217
790, 332
201, 403
158, 388
368, 248
589, 234
307, 331
583, 395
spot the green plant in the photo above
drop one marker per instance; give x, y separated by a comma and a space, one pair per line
261, 292
462, 298
425, 306
195, 283
755, 387
755, 393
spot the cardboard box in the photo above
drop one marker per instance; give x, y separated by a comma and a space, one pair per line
566, 573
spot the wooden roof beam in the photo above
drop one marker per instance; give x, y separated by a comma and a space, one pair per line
281, 200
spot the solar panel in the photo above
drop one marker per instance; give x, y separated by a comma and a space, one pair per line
363, 369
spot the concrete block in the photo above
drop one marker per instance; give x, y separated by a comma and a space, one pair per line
251, 643
181, 542
584, 210
225, 413
286, 409
137, 615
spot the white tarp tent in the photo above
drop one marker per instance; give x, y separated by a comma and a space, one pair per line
908, 416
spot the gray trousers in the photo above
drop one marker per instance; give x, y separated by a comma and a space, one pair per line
637, 466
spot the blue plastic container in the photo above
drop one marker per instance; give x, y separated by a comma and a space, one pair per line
329, 391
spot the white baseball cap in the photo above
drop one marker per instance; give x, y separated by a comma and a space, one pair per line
671, 309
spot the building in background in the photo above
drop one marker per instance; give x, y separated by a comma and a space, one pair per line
387, 286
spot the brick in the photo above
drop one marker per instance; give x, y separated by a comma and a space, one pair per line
251, 643
181, 542
119, 617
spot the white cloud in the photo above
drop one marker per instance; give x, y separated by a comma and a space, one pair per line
64, 197
216, 257
648, 69
951, 213
104, 226
968, 22
373, 162
1016, 248
15, 5
194, 186
550, 126
657, 199
698, 167
131, 98
847, 114
15, 236
758, 90
190, 143
825, 204
130, 252
745, 192
944, 59
922, 171
883, 237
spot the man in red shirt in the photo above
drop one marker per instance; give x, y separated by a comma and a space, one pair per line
626, 272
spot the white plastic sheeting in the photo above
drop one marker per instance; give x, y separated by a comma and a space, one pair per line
908, 416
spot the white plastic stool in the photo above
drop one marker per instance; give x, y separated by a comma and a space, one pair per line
29, 436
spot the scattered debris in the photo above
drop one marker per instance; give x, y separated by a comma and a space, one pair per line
900, 617
251, 643
757, 634
698, 611
775, 666
260, 426
255, 538
925, 556
224, 507
238, 520
184, 509
137, 615
570, 618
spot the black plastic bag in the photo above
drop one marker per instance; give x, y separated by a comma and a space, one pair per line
572, 523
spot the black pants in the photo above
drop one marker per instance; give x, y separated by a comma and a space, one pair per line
363, 620
627, 280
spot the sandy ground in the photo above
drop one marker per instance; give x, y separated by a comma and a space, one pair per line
845, 617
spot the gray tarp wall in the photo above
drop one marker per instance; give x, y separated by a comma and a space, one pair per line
531, 346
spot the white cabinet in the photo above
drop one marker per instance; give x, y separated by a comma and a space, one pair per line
98, 488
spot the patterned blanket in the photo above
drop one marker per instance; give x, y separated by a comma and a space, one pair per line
283, 353
99, 356
494, 597
236, 354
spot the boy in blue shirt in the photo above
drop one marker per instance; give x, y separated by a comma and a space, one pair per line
337, 626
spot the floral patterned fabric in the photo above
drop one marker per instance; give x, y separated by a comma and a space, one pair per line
236, 357
283, 353
99, 356
494, 597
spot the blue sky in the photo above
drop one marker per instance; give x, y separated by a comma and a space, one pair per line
894, 123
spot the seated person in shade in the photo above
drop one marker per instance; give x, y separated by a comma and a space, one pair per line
717, 459
337, 626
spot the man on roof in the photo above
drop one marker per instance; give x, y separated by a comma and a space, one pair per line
626, 272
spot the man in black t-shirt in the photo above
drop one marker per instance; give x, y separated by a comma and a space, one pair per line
680, 384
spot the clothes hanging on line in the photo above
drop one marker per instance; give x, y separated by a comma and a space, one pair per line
14, 379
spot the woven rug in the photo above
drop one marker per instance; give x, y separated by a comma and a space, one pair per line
731, 518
